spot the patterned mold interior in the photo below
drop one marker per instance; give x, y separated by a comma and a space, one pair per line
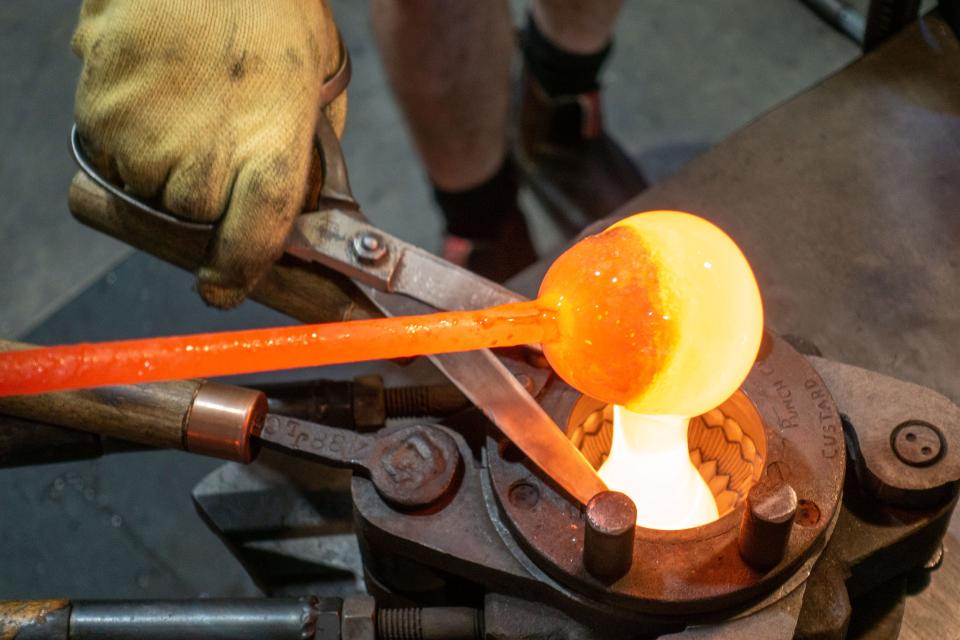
727, 444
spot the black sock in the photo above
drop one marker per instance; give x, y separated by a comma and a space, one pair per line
479, 213
560, 72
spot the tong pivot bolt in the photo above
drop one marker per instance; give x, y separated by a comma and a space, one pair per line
369, 247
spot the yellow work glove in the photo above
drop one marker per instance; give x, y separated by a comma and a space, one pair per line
209, 106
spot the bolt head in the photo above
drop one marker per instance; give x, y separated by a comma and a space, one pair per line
369, 247
414, 465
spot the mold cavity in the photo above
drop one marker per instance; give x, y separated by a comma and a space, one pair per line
726, 445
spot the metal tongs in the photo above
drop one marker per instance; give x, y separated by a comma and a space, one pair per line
402, 279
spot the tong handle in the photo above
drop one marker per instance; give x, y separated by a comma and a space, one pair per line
307, 292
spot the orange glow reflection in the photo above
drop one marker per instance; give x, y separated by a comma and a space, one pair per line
649, 461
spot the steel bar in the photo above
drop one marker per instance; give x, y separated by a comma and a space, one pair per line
238, 619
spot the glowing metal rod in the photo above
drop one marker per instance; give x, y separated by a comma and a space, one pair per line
60, 368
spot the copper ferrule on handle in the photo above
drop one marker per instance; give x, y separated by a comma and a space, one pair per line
223, 420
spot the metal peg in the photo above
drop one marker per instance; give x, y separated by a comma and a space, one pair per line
611, 521
767, 523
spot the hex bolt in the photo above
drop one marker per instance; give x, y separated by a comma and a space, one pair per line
358, 618
414, 465
767, 522
610, 527
369, 247
917, 443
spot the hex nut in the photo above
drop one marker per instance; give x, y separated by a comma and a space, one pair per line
358, 618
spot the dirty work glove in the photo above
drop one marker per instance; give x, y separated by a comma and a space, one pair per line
209, 107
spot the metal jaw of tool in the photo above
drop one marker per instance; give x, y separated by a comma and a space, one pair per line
402, 279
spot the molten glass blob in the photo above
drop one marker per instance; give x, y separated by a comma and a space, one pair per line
659, 313
649, 461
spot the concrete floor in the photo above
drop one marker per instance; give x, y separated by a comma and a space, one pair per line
682, 76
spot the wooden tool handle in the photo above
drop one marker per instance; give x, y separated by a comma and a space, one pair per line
307, 292
151, 414
193, 415
26, 442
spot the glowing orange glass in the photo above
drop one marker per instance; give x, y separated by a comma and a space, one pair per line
659, 313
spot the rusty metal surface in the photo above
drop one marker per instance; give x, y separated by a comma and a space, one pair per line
33, 618
402, 279
804, 447
882, 409
365, 403
775, 622
411, 465
895, 511
609, 528
871, 545
414, 466
327, 237
767, 523
464, 543
467, 540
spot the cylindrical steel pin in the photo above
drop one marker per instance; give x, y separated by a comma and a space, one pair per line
608, 535
767, 523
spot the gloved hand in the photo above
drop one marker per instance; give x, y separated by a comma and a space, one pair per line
210, 108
